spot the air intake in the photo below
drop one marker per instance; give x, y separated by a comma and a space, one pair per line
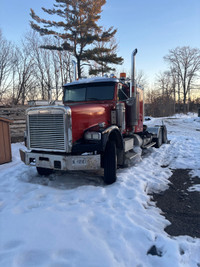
49, 129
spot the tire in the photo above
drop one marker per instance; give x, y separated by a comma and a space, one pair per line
44, 171
164, 134
159, 139
110, 163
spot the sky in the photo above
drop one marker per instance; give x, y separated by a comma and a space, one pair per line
153, 27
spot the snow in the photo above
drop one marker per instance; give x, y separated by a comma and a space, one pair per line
194, 188
73, 219
92, 80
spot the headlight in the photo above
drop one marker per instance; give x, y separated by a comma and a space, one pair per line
92, 136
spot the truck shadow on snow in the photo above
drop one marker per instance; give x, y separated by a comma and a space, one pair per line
66, 180
69, 180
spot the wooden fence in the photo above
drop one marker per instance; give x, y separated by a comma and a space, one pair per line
18, 126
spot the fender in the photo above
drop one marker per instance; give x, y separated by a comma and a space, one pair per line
96, 138
112, 133
109, 133
154, 130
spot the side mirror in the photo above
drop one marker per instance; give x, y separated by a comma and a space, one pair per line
130, 101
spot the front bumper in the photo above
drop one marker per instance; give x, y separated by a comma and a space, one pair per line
60, 162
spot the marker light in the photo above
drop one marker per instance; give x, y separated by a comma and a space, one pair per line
123, 75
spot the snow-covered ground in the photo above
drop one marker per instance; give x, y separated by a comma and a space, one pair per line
73, 219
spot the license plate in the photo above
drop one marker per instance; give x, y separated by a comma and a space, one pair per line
79, 162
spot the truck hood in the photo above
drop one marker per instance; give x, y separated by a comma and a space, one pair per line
87, 115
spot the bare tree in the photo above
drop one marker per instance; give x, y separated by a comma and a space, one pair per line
42, 64
153, 103
25, 80
185, 61
30, 71
165, 84
141, 78
6, 63
61, 64
52, 67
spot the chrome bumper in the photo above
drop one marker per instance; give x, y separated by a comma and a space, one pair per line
61, 162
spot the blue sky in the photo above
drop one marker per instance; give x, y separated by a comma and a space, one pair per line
153, 27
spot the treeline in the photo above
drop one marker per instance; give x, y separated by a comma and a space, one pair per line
30, 72
157, 105
178, 88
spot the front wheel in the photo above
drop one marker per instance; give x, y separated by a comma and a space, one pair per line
44, 171
110, 163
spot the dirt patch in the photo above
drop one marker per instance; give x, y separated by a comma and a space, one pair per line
180, 206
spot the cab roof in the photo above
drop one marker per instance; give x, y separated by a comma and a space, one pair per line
92, 80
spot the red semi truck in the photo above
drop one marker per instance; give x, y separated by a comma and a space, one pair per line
99, 126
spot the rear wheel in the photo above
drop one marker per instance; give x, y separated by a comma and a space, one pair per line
44, 171
164, 134
110, 163
159, 139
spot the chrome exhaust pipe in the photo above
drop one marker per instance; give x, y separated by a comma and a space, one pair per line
75, 69
132, 116
133, 81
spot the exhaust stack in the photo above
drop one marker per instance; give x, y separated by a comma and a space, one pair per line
132, 101
75, 69
133, 81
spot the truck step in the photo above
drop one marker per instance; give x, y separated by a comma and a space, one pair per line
130, 158
149, 145
131, 155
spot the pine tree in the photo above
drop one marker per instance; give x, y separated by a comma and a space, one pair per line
77, 28
105, 54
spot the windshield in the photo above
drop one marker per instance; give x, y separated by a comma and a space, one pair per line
89, 92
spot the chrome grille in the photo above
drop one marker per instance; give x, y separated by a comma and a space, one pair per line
46, 132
